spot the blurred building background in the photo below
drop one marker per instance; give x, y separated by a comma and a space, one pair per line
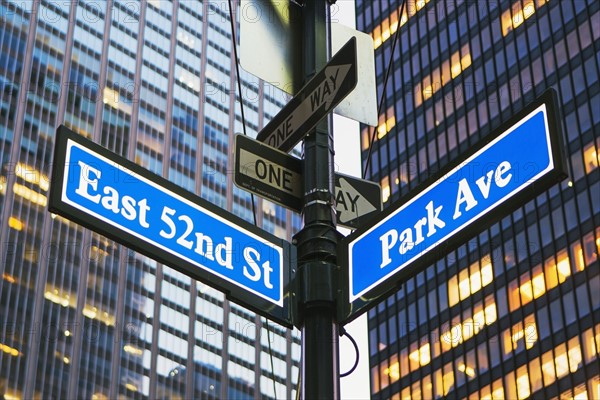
515, 312
84, 317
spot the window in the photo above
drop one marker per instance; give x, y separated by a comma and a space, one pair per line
518, 13
440, 76
591, 343
390, 25
591, 158
470, 280
522, 335
523, 390
557, 269
532, 287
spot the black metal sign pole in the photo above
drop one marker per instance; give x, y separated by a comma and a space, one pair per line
317, 241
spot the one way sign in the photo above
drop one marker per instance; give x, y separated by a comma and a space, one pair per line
356, 200
314, 101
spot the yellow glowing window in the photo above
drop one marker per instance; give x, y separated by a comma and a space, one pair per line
591, 344
561, 361
9, 278
574, 353
448, 378
385, 189
389, 26
30, 195
440, 76
32, 175
469, 371
16, 224
136, 351
385, 29
498, 390
465, 284
462, 331
548, 372
556, 270
422, 355
521, 332
523, 390
393, 371
111, 97
591, 158
366, 139
9, 350
518, 13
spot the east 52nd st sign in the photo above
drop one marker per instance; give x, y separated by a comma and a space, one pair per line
135, 207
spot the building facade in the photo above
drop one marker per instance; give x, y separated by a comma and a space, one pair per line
514, 313
84, 317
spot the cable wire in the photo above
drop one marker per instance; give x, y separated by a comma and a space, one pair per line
343, 332
239, 86
387, 75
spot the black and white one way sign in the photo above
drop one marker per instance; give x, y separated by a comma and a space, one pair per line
314, 101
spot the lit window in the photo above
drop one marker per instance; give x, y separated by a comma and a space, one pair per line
591, 158
32, 175
136, 351
548, 368
366, 138
450, 69
385, 188
111, 97
520, 11
459, 332
9, 350
9, 278
497, 390
591, 344
588, 254
30, 195
575, 359
469, 371
389, 26
468, 284
557, 269
523, 390
561, 361
524, 333
448, 378
535, 375
490, 311
16, 224
421, 356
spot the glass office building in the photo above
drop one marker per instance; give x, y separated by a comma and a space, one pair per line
514, 313
81, 316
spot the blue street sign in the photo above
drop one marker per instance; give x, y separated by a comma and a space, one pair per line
141, 210
516, 163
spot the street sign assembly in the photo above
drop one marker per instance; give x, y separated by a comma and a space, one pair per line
277, 176
518, 161
268, 172
356, 200
314, 101
117, 198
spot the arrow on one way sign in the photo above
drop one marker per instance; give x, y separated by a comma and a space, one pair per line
313, 102
356, 200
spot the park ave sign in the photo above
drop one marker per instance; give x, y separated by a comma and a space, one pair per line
518, 161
